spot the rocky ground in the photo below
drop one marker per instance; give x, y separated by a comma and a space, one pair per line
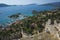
51, 32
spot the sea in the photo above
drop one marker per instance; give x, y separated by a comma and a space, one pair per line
23, 9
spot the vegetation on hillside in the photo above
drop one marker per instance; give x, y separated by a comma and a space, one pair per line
30, 25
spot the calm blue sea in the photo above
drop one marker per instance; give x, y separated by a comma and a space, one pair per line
25, 10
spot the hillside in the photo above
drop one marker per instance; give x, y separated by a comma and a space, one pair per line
31, 27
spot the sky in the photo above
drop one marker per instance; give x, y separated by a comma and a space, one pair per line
25, 2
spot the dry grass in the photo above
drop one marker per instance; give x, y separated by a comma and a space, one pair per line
46, 36
42, 36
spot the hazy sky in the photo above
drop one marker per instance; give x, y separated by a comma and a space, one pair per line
24, 2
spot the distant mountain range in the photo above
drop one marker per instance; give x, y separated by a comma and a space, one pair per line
3, 5
57, 4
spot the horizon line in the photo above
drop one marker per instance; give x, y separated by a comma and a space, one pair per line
28, 4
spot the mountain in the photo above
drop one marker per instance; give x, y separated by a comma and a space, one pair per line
3, 5
56, 4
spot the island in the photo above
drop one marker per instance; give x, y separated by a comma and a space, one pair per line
15, 15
